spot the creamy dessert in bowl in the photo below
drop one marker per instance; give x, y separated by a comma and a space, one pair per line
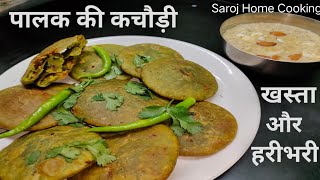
275, 41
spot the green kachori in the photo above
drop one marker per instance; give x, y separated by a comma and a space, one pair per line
96, 113
14, 163
219, 129
147, 154
89, 61
54, 62
18, 102
136, 56
179, 79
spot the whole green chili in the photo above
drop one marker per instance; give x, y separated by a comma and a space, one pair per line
142, 122
37, 115
106, 61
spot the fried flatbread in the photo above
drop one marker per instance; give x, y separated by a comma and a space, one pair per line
219, 129
147, 154
18, 102
89, 61
150, 51
54, 62
13, 158
96, 113
179, 79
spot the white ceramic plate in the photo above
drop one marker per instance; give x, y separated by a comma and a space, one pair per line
236, 94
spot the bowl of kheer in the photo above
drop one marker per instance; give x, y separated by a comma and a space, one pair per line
273, 43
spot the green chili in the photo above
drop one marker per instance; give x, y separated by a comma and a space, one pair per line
37, 115
106, 60
143, 122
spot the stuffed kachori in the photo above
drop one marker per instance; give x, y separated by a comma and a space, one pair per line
54, 62
89, 61
19, 102
147, 154
219, 129
96, 113
14, 158
136, 56
179, 79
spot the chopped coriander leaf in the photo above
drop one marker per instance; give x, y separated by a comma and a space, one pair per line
70, 152
182, 121
179, 131
67, 152
33, 157
115, 68
64, 117
151, 111
111, 74
71, 101
180, 114
63, 114
97, 148
101, 153
98, 97
114, 101
140, 61
137, 88
115, 59
54, 152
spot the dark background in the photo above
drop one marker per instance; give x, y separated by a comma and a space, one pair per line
197, 25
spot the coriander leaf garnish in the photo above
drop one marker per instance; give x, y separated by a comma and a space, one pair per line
98, 148
111, 74
182, 121
64, 116
70, 152
179, 131
54, 152
63, 112
114, 100
67, 152
33, 157
101, 153
115, 68
186, 121
71, 101
98, 97
151, 111
140, 61
137, 88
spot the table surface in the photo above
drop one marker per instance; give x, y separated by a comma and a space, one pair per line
198, 25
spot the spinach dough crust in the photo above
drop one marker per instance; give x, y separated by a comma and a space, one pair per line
96, 113
145, 154
155, 51
19, 102
179, 79
89, 61
219, 129
13, 164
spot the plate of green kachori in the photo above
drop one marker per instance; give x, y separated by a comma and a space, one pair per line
235, 93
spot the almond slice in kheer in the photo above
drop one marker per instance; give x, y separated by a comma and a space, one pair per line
266, 43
